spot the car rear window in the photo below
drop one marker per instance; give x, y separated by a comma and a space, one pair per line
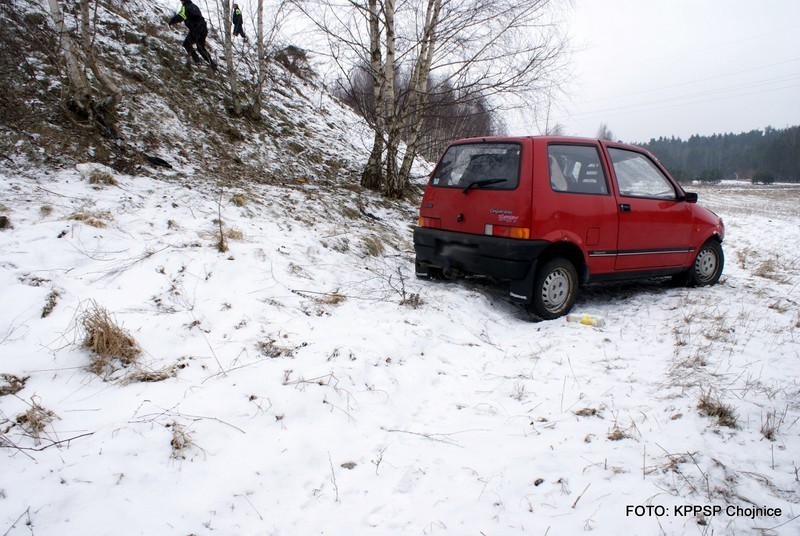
492, 166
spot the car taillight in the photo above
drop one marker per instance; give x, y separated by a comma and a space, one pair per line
506, 232
433, 223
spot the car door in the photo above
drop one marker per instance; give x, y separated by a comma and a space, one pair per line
577, 203
654, 221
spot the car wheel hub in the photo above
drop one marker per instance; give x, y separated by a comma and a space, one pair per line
705, 265
555, 290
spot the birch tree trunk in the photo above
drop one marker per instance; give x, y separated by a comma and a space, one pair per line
228, 45
372, 176
262, 62
419, 87
114, 92
80, 91
393, 183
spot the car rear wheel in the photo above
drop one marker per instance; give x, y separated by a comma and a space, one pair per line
708, 263
554, 289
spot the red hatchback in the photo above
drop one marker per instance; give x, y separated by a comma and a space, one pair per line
547, 214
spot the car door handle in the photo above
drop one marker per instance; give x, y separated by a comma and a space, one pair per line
624, 207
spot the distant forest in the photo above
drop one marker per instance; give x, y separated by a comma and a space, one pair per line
761, 156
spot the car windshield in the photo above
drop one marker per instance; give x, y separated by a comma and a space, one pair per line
492, 166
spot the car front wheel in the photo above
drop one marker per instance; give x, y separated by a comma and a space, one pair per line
554, 289
708, 263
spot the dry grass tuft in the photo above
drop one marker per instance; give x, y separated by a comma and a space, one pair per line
181, 441
107, 341
711, 406
35, 420
743, 255
374, 246
350, 212
674, 464
11, 385
94, 219
617, 434
771, 426
50, 303
102, 178
769, 269
298, 270
412, 300
268, 348
140, 375
234, 234
221, 234
334, 298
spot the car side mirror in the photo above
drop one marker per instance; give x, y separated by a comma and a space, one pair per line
690, 197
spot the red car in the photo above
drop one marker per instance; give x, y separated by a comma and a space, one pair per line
548, 213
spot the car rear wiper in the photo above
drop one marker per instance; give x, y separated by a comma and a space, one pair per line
481, 184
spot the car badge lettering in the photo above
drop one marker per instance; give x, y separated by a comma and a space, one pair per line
505, 216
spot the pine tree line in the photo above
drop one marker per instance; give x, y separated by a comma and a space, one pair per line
767, 155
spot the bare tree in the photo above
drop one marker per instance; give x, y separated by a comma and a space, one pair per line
80, 90
556, 129
372, 177
227, 45
87, 38
604, 133
247, 93
255, 107
489, 50
78, 58
418, 97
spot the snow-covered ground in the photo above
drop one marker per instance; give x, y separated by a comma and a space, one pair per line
310, 385
304, 382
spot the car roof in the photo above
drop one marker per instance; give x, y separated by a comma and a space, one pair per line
557, 139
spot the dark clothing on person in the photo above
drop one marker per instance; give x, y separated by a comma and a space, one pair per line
237, 22
198, 31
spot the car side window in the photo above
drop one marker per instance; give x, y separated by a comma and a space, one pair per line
576, 169
638, 176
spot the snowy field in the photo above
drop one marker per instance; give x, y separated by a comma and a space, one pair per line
303, 382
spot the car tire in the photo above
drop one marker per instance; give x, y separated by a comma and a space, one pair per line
554, 289
708, 263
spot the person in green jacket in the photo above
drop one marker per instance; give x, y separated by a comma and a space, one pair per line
237, 22
191, 16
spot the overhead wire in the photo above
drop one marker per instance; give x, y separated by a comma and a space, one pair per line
697, 97
689, 82
628, 110
718, 91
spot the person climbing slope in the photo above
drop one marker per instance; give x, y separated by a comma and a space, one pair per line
190, 15
237, 22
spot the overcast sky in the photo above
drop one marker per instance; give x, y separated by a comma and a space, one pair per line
680, 67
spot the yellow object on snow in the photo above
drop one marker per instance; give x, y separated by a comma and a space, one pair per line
587, 320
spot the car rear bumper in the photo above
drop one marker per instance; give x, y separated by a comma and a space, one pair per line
500, 258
